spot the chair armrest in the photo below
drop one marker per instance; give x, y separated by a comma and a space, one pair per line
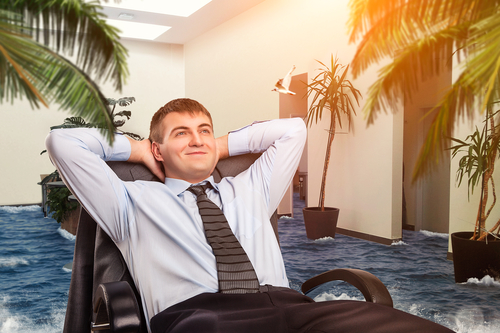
370, 286
116, 308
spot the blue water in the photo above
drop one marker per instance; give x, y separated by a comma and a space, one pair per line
416, 272
34, 285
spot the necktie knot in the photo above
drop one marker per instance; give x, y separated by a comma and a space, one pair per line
199, 189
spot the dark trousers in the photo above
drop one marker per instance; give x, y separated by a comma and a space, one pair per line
283, 310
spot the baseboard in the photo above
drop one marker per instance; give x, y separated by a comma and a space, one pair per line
23, 205
371, 238
408, 227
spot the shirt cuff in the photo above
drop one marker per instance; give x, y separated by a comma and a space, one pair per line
237, 141
121, 149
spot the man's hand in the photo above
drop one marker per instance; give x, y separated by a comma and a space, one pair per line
141, 153
222, 150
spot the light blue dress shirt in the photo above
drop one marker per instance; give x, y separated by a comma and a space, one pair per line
157, 226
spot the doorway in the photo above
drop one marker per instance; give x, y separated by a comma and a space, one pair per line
292, 106
427, 200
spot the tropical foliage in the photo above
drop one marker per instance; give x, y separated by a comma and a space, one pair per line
421, 37
59, 206
332, 92
57, 197
32, 32
479, 153
118, 118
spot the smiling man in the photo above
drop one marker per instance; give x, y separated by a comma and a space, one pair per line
184, 141
164, 239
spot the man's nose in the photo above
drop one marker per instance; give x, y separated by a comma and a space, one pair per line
196, 140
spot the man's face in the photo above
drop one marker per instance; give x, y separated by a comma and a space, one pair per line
188, 150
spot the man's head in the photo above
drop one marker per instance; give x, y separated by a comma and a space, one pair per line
182, 139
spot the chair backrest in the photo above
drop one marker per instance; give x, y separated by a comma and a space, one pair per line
96, 258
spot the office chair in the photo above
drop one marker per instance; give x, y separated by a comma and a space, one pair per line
102, 295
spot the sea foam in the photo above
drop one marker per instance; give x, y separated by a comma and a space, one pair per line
486, 281
434, 234
324, 239
66, 234
398, 243
328, 296
13, 262
19, 209
19, 323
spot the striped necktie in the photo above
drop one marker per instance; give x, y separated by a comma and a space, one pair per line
234, 270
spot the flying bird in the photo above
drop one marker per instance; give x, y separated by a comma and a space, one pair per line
283, 85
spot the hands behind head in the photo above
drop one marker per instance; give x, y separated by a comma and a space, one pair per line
222, 149
141, 153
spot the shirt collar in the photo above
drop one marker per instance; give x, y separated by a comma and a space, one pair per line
178, 185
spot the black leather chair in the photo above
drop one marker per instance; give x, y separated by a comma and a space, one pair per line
102, 295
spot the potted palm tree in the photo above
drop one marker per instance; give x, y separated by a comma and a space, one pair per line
477, 253
331, 92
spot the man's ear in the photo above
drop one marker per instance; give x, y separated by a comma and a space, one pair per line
155, 149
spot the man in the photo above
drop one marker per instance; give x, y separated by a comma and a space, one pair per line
160, 232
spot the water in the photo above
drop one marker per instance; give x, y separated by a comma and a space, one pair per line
415, 270
34, 285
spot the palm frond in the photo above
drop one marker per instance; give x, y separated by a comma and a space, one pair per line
393, 25
458, 101
483, 65
467, 95
76, 25
421, 60
31, 70
73, 90
15, 62
36, 71
420, 36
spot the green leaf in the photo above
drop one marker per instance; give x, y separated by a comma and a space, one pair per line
420, 36
38, 73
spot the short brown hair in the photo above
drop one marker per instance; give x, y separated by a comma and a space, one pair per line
177, 105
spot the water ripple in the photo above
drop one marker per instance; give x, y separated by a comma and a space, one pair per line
34, 287
415, 270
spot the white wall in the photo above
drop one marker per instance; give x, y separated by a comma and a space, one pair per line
156, 76
232, 69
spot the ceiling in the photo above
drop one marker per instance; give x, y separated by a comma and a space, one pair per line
183, 29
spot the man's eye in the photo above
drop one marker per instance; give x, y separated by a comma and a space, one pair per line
180, 133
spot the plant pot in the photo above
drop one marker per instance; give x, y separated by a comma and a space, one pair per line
320, 223
473, 259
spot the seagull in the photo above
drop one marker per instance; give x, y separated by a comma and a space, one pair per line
283, 85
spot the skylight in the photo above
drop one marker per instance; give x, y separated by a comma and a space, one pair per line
168, 7
138, 30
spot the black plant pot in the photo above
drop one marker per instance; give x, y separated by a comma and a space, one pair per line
320, 223
473, 259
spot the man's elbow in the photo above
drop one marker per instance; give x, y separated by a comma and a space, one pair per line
300, 129
54, 143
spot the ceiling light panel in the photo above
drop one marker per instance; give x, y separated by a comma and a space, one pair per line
138, 30
168, 7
